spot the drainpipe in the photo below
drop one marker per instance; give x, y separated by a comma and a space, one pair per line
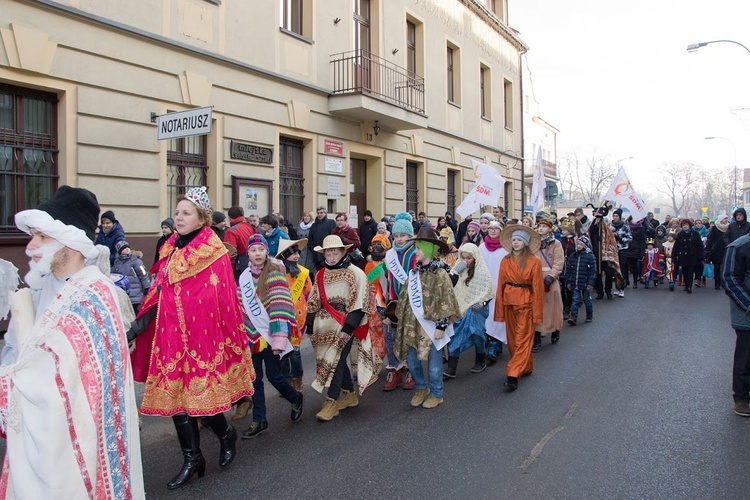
523, 140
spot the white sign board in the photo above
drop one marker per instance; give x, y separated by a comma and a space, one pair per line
185, 123
334, 165
334, 188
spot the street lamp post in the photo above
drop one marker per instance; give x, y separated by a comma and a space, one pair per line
693, 47
735, 203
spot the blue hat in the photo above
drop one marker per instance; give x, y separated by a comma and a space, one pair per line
402, 224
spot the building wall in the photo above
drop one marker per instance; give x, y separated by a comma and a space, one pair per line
112, 67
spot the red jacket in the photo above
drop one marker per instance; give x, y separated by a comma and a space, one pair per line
239, 234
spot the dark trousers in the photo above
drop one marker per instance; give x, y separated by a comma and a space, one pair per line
623, 266
687, 275
273, 373
609, 276
342, 377
634, 269
717, 273
741, 367
291, 364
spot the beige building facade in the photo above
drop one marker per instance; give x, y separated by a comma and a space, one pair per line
348, 104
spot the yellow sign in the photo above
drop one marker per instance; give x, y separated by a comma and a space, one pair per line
705, 210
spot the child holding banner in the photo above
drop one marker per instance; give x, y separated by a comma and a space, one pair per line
269, 321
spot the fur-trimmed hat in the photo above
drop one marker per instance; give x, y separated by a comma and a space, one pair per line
70, 217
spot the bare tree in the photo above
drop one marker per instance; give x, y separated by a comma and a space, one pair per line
586, 176
677, 184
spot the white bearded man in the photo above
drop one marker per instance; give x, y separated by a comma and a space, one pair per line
67, 403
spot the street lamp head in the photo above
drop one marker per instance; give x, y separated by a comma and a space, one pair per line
695, 46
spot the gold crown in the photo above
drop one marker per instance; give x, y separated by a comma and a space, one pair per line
568, 222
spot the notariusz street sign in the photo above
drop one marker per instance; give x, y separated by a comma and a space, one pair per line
185, 123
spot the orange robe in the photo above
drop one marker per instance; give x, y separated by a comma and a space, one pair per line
521, 307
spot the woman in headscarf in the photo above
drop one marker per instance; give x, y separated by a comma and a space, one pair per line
473, 288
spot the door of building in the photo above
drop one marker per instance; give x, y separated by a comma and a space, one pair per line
357, 190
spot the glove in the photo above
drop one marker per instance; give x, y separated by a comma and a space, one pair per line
460, 266
548, 280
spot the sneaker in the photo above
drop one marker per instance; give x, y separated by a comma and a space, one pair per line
297, 408
432, 402
478, 367
742, 409
621, 293
420, 397
330, 409
392, 380
572, 322
255, 429
408, 381
348, 399
589, 318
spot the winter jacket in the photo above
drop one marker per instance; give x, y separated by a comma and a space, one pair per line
580, 270
638, 244
319, 230
737, 229
715, 246
736, 277
117, 233
273, 239
366, 232
622, 235
348, 236
132, 267
688, 248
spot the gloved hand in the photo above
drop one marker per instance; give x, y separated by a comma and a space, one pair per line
548, 280
460, 266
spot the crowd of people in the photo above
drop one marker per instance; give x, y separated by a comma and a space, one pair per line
231, 298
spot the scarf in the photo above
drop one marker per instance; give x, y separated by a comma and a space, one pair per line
343, 263
400, 249
492, 244
547, 239
306, 227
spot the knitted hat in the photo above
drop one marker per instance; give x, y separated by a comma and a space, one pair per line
402, 224
198, 196
120, 245
70, 217
495, 224
447, 233
368, 213
474, 225
585, 240
382, 226
487, 216
525, 233
383, 240
168, 222
257, 239
618, 212
545, 222
109, 215
218, 217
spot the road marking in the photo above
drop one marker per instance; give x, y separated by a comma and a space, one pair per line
537, 449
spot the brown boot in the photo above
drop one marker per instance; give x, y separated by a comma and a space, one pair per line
243, 407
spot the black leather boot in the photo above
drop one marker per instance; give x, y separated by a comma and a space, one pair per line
450, 370
537, 342
479, 365
190, 440
227, 437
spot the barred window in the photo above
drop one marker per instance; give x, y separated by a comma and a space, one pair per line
412, 188
187, 166
28, 151
291, 180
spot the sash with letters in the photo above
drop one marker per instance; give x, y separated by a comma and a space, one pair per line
395, 267
299, 283
415, 299
255, 311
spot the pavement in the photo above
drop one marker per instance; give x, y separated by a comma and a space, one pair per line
637, 404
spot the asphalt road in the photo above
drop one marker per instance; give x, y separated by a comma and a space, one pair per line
636, 404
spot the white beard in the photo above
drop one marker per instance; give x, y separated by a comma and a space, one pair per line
38, 270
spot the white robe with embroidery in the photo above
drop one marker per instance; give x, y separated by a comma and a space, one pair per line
67, 404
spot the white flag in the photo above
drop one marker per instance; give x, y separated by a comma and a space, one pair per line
622, 192
488, 189
538, 184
